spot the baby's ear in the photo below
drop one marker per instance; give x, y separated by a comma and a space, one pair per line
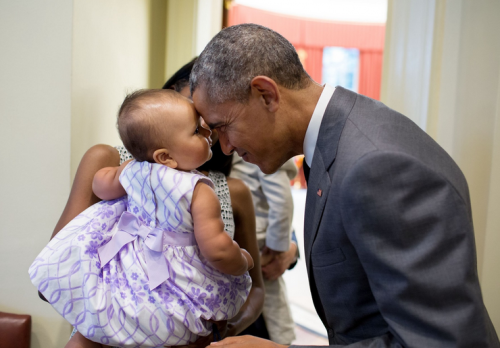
161, 156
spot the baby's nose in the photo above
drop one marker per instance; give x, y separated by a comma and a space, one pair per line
204, 124
205, 131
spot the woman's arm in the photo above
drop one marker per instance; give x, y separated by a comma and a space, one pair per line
245, 236
217, 247
81, 196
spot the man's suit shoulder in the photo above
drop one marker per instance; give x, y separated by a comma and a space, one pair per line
372, 126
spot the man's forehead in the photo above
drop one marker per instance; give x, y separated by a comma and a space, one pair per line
215, 115
200, 101
215, 118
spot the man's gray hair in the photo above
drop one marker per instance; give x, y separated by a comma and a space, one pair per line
237, 54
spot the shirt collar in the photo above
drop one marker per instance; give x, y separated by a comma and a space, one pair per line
313, 128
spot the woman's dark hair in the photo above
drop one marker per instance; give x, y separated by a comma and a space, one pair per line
180, 79
219, 161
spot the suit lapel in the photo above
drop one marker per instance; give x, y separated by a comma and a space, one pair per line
317, 193
318, 186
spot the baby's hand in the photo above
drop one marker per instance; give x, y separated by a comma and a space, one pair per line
246, 254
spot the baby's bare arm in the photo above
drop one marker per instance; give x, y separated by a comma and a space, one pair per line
218, 248
106, 184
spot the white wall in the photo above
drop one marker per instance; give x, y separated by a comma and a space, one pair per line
35, 109
450, 86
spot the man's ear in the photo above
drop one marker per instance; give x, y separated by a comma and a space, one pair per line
265, 87
161, 156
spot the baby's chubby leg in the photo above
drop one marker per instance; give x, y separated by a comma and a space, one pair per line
78, 341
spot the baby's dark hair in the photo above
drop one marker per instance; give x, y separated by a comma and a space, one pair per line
138, 126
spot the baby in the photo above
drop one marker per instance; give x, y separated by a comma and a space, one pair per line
152, 267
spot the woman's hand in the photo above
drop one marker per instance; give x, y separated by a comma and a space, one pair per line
246, 341
205, 341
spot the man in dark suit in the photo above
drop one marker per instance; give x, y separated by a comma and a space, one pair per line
389, 239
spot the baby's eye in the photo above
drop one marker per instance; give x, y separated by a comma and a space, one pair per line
197, 130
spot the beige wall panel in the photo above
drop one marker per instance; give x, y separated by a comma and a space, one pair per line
407, 58
157, 43
191, 24
208, 22
110, 58
181, 34
462, 98
35, 108
476, 98
491, 263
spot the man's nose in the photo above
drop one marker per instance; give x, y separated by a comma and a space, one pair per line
225, 145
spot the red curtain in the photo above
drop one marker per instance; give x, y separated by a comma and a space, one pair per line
285, 25
310, 37
312, 60
370, 73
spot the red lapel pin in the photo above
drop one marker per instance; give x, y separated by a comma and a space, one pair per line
319, 192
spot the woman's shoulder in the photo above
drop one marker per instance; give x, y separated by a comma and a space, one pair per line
102, 150
99, 154
237, 185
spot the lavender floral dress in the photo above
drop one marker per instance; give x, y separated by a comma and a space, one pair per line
128, 272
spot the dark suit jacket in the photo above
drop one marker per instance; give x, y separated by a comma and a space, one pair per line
389, 240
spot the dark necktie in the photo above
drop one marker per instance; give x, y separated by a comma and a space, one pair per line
306, 170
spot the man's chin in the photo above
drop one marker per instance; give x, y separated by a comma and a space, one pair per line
268, 168
265, 167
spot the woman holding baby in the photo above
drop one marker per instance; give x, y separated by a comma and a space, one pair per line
237, 215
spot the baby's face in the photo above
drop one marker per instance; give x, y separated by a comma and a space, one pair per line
187, 93
189, 143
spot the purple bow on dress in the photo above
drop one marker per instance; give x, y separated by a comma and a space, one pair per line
128, 229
